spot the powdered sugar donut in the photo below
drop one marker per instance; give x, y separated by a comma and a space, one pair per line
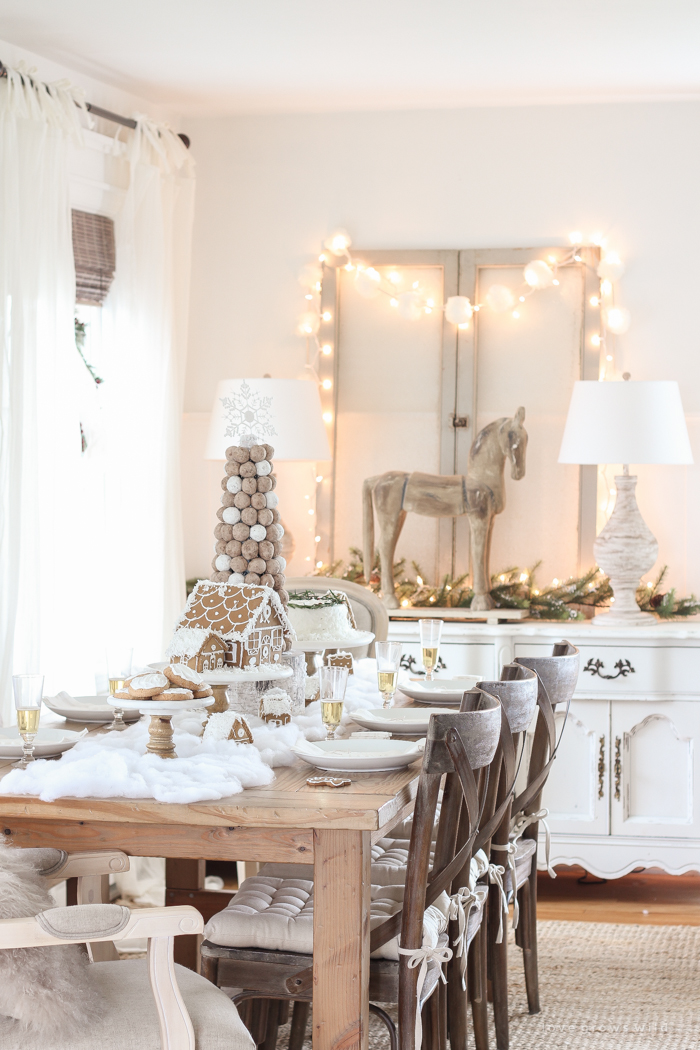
257, 500
227, 499
223, 532
239, 564
232, 516
220, 513
252, 578
232, 467
220, 577
276, 548
272, 566
223, 483
220, 547
241, 500
266, 580
273, 532
176, 693
222, 562
143, 686
233, 484
276, 516
282, 562
271, 500
233, 547
269, 450
258, 453
238, 578
249, 549
241, 532
239, 454
183, 675
257, 565
266, 550
279, 580
283, 596
258, 532
263, 468
249, 516
249, 485
264, 517
264, 484
248, 470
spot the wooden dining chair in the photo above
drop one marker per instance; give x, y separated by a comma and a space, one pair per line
246, 950
526, 685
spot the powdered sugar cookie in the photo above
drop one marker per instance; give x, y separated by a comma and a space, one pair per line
143, 686
183, 676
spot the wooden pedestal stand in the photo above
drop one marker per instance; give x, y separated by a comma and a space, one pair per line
160, 729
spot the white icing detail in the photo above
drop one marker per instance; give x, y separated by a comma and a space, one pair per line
234, 483
223, 562
271, 499
263, 468
232, 515
149, 681
258, 532
188, 674
188, 641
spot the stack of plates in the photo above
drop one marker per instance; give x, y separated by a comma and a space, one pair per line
402, 721
439, 691
359, 756
47, 743
85, 708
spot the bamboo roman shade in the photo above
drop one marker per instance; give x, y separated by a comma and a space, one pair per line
94, 255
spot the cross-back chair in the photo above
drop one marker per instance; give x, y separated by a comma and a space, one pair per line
410, 970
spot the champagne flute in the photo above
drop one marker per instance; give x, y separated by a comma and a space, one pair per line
388, 662
430, 633
333, 681
28, 690
118, 670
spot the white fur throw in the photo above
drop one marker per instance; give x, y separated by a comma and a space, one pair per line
44, 990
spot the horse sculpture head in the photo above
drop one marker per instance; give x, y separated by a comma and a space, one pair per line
512, 438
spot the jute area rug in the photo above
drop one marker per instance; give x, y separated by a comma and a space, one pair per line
602, 987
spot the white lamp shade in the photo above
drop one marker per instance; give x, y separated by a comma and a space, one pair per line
284, 413
625, 422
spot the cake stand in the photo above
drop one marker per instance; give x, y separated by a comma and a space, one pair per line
244, 699
160, 730
331, 645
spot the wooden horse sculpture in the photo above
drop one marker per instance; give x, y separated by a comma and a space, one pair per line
480, 495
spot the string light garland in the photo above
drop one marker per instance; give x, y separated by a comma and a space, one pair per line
412, 304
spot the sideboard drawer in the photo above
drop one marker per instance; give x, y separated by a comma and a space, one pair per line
624, 670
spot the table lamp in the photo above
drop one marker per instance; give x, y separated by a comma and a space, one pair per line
625, 422
285, 413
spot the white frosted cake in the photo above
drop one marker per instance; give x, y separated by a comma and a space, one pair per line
322, 617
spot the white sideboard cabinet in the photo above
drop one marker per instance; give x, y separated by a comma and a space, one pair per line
624, 791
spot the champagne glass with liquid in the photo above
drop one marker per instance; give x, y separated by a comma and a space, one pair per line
388, 656
118, 670
333, 681
430, 633
28, 690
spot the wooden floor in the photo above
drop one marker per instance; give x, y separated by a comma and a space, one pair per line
648, 897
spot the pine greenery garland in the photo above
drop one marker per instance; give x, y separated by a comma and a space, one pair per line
515, 588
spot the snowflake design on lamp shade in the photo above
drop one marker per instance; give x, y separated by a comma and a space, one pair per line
248, 416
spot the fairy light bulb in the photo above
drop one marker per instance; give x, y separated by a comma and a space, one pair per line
393, 302
595, 340
327, 417
319, 478
327, 384
538, 274
617, 319
516, 314
326, 350
419, 581
458, 309
308, 323
326, 315
338, 242
395, 277
576, 237
594, 300
319, 564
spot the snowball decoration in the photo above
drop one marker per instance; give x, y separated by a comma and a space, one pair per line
617, 319
223, 562
538, 274
271, 499
499, 298
233, 484
611, 268
232, 515
258, 532
367, 283
263, 468
458, 309
410, 306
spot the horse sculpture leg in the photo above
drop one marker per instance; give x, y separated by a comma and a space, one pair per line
480, 529
387, 495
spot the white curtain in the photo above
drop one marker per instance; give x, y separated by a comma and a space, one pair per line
90, 550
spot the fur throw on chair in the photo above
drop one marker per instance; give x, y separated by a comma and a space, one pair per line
47, 990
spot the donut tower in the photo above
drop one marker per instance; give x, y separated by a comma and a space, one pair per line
249, 533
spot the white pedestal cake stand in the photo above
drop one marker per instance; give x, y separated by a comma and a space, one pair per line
223, 681
160, 729
331, 645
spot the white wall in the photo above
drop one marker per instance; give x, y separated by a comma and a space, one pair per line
271, 187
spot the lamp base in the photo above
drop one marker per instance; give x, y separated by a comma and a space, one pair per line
625, 549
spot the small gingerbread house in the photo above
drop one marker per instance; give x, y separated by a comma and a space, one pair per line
250, 621
202, 650
276, 707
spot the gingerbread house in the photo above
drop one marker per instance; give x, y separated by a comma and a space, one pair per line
249, 621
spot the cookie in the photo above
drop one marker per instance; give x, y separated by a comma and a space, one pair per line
123, 694
183, 676
144, 686
175, 694
200, 694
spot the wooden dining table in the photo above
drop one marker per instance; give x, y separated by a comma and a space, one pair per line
287, 821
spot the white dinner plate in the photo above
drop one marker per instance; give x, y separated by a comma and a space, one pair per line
85, 708
441, 690
47, 742
359, 756
404, 721
361, 638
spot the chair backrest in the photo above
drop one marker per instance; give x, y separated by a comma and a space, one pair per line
369, 612
457, 744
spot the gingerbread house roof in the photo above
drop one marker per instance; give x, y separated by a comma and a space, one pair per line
188, 641
231, 611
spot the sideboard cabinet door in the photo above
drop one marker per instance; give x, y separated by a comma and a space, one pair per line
654, 779
577, 789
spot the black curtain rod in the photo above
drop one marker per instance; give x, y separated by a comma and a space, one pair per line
106, 114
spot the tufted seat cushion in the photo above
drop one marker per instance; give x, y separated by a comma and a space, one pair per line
277, 915
128, 1019
525, 850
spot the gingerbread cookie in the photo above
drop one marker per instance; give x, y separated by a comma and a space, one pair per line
144, 686
175, 694
183, 676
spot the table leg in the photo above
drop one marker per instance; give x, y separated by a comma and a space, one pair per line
341, 939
